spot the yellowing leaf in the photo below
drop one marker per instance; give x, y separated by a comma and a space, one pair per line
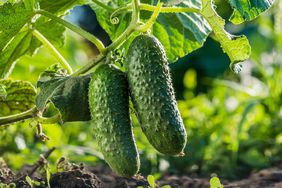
236, 47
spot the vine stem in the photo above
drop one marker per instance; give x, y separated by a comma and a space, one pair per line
18, 117
152, 8
169, 9
152, 19
129, 30
53, 50
100, 46
31, 113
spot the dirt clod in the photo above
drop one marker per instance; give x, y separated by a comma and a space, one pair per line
75, 179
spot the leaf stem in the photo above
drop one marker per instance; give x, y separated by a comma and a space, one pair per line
31, 113
75, 29
18, 117
53, 50
152, 19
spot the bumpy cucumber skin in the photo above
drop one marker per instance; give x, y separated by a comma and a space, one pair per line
153, 96
109, 107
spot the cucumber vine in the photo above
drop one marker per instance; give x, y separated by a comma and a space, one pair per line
237, 48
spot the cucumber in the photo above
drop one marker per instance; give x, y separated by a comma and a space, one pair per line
109, 107
153, 96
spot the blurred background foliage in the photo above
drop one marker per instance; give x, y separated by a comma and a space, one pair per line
234, 122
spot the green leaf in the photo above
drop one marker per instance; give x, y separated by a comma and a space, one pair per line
25, 43
16, 48
19, 97
180, 33
215, 183
68, 94
29, 181
12, 18
166, 186
246, 10
236, 47
59, 7
48, 176
29, 4
151, 181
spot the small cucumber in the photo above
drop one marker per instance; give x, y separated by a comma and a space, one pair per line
109, 107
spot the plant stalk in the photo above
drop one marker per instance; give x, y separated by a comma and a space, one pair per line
152, 8
75, 29
53, 50
18, 117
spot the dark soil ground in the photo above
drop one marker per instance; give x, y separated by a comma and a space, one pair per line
79, 176
101, 176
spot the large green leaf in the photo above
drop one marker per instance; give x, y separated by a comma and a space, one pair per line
246, 10
12, 18
23, 42
68, 94
236, 47
16, 48
59, 6
19, 96
179, 33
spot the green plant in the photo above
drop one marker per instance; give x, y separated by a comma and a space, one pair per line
215, 182
10, 185
152, 184
27, 24
32, 183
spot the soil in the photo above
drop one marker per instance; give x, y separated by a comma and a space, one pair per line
78, 176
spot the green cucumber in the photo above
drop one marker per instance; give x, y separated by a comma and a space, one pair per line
109, 107
153, 96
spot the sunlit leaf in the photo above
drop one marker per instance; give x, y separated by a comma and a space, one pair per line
215, 183
59, 7
12, 18
23, 42
236, 47
151, 181
246, 10
19, 97
16, 48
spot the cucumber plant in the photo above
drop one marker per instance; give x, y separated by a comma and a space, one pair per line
173, 29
